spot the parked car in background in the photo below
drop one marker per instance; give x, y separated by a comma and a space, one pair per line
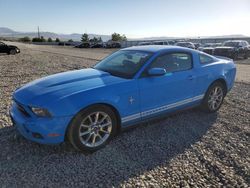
186, 44
209, 47
144, 43
113, 44
8, 49
171, 42
89, 106
97, 45
83, 45
197, 45
65, 44
161, 43
233, 49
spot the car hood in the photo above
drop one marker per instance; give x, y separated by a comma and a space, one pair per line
57, 86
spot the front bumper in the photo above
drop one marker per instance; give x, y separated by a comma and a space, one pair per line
41, 130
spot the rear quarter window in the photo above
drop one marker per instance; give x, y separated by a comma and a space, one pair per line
204, 59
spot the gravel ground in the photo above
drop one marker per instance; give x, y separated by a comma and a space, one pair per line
186, 149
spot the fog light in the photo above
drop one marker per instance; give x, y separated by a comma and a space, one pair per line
37, 135
54, 134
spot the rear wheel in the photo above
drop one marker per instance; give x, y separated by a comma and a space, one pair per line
92, 128
12, 52
214, 97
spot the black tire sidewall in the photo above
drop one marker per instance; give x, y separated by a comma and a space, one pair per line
246, 55
205, 105
235, 56
12, 50
73, 131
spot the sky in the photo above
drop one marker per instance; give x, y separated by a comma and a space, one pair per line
134, 18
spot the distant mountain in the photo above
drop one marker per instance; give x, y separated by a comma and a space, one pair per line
6, 32
155, 38
200, 37
226, 36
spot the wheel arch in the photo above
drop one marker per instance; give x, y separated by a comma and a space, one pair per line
222, 81
117, 114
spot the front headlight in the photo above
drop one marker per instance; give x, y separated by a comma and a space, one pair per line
41, 112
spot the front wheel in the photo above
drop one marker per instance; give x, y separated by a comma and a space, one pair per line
12, 52
92, 128
214, 97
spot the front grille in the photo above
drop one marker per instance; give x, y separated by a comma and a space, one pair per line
22, 109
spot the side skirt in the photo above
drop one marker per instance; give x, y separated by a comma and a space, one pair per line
161, 116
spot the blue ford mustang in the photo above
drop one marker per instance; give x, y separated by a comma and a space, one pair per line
88, 107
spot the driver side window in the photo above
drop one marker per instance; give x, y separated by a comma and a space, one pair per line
173, 62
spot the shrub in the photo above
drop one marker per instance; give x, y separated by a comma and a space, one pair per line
50, 39
25, 39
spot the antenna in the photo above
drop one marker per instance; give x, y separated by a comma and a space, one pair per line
38, 32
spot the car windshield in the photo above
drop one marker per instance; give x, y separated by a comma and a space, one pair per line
231, 44
124, 63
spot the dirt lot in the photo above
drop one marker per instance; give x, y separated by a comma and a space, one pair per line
189, 148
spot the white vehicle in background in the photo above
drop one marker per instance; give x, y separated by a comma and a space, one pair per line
185, 44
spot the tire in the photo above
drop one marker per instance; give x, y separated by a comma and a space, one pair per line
211, 103
246, 55
12, 52
87, 136
235, 56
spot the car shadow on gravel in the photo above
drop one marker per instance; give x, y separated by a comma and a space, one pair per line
130, 154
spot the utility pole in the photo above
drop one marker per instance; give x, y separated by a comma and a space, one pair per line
38, 32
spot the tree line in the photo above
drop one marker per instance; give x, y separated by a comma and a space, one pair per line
114, 37
84, 38
41, 39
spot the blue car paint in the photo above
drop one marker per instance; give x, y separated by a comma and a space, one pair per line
135, 100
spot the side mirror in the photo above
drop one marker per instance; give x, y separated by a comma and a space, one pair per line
156, 72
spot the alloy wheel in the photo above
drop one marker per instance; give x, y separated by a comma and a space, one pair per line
215, 98
95, 129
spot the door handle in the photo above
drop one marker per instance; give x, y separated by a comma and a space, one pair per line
191, 77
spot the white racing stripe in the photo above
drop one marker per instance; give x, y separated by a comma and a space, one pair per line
160, 109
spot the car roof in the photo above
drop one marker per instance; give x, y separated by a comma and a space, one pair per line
156, 48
